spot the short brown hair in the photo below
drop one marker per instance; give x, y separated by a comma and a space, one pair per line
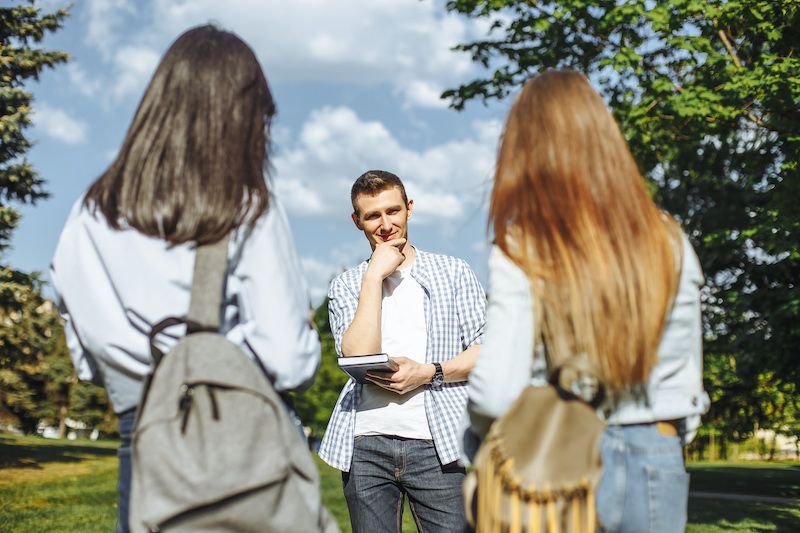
191, 167
374, 181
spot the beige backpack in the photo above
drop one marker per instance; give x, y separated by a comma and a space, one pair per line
539, 466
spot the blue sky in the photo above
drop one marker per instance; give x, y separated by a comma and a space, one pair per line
356, 83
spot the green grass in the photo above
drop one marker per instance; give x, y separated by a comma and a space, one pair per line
56, 485
775, 479
63, 486
718, 516
779, 479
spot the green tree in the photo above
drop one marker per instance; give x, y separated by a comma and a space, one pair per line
315, 405
38, 383
20, 27
708, 95
28, 338
27, 329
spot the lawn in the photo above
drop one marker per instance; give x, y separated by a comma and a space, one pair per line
48, 485
775, 479
64, 486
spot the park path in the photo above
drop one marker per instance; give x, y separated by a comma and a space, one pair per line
744, 497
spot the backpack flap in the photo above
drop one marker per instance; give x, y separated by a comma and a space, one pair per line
539, 466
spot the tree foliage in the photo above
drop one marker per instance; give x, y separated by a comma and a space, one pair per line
37, 381
708, 95
315, 405
20, 28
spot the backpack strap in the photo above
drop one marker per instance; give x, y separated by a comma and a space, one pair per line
208, 287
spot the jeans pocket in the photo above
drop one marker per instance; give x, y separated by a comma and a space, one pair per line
668, 493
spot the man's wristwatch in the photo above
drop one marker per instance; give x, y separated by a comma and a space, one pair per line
438, 375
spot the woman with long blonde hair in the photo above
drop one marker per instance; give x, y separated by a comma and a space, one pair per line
585, 263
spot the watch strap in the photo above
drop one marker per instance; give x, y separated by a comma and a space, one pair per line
438, 375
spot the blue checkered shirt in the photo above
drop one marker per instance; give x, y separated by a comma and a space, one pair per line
455, 305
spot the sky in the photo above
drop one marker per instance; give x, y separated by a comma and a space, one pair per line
357, 85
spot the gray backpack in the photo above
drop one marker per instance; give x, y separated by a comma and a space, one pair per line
214, 448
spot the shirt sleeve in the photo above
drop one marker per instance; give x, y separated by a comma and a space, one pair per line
342, 303
676, 382
274, 304
505, 363
471, 305
85, 366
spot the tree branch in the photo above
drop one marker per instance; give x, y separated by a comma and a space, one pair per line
729, 47
736, 61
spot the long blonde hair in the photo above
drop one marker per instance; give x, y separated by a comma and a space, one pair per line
569, 206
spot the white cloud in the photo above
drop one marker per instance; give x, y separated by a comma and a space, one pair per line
136, 65
59, 124
350, 249
105, 19
318, 275
482, 246
81, 80
299, 197
420, 93
433, 206
314, 175
347, 41
51, 5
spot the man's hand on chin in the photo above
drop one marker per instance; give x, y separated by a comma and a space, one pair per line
408, 377
386, 258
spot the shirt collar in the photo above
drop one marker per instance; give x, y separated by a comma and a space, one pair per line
420, 270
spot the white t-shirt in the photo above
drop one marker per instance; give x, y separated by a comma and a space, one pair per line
403, 333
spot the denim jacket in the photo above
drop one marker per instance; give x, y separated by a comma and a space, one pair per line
506, 365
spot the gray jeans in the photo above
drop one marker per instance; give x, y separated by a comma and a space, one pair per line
385, 469
126, 421
645, 487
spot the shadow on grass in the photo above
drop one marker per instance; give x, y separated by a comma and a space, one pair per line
719, 515
782, 481
15, 453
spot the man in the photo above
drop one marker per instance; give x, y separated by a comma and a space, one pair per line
397, 435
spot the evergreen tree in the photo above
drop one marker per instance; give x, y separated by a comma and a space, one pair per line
27, 329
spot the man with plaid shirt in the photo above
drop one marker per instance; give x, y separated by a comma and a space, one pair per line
397, 435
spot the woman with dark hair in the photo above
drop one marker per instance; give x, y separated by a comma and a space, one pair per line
585, 263
189, 172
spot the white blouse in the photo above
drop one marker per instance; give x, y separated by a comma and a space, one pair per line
114, 285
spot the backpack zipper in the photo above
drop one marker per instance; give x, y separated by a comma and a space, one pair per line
186, 401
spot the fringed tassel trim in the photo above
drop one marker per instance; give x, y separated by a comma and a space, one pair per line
505, 506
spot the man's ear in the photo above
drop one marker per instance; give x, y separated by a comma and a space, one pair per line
410, 207
356, 221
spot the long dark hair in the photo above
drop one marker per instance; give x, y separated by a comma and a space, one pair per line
569, 206
191, 167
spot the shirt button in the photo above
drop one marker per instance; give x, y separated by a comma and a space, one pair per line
694, 401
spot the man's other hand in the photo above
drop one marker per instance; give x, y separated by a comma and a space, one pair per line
409, 376
386, 258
